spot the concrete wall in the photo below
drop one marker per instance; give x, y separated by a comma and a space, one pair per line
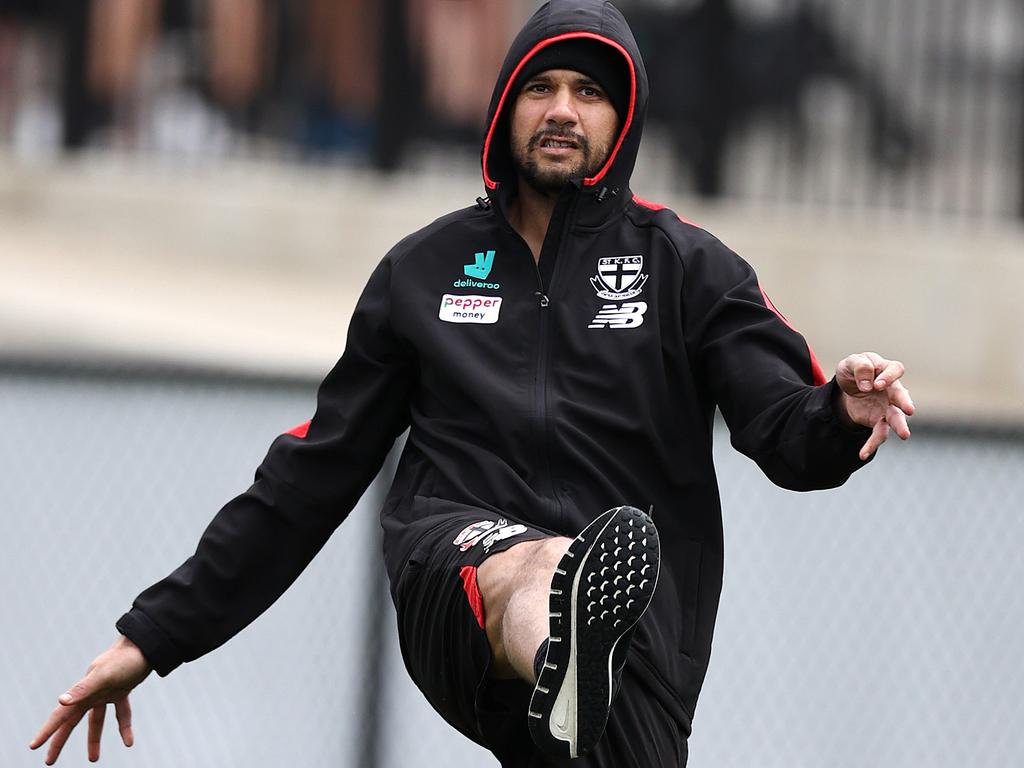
257, 268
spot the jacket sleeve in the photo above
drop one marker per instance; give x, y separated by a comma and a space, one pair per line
259, 543
763, 375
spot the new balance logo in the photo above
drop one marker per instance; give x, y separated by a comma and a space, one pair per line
627, 315
487, 531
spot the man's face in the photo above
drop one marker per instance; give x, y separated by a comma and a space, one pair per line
563, 127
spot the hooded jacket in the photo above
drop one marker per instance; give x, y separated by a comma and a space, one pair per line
545, 393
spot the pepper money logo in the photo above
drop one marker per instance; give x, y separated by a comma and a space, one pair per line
478, 271
469, 309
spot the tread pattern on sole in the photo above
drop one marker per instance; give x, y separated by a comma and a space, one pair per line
600, 589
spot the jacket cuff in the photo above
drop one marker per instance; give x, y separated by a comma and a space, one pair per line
158, 649
831, 413
846, 439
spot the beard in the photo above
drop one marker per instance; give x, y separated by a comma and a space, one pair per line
550, 177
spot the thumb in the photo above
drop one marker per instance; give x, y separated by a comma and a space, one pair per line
77, 692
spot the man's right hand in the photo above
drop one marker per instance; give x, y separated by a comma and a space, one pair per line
109, 680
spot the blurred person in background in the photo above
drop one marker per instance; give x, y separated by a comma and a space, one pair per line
458, 78
729, 62
110, 48
342, 61
9, 34
326, 50
25, 46
557, 348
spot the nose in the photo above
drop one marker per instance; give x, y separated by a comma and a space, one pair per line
561, 109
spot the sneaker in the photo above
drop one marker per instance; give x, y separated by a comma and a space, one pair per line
600, 589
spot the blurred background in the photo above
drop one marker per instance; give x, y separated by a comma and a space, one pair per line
192, 195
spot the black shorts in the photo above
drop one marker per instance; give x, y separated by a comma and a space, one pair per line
445, 648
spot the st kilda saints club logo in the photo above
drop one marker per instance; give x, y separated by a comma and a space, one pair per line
619, 277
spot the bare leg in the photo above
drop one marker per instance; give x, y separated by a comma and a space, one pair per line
514, 585
238, 40
343, 52
121, 31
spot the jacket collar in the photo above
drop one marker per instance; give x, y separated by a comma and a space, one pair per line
596, 205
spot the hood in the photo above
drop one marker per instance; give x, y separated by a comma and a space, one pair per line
556, 21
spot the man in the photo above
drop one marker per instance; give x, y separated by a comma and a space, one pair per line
556, 350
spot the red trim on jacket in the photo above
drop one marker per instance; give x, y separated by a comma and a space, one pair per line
488, 181
659, 207
476, 601
816, 371
817, 374
299, 431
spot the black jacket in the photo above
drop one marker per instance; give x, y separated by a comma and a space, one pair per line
548, 394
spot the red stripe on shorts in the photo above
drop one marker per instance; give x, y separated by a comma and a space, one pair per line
476, 600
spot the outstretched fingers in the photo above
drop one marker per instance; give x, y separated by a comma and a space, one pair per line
53, 722
123, 711
71, 708
63, 732
61, 715
879, 434
96, 717
898, 421
111, 676
63, 720
900, 397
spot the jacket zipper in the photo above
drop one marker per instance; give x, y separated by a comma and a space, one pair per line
541, 384
540, 397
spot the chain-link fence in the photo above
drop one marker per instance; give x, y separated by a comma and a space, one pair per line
878, 624
876, 105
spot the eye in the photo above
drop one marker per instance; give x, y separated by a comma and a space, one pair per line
591, 92
537, 87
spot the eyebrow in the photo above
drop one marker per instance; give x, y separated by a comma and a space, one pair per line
581, 80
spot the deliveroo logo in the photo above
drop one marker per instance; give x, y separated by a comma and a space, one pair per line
480, 268
478, 271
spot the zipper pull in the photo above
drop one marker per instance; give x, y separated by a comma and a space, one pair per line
543, 299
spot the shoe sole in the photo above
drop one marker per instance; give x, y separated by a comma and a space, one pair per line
600, 589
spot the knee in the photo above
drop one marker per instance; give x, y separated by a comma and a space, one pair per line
545, 557
520, 567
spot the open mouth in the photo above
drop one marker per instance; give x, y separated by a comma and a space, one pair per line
555, 143
558, 142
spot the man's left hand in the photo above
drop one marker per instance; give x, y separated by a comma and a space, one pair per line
873, 396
